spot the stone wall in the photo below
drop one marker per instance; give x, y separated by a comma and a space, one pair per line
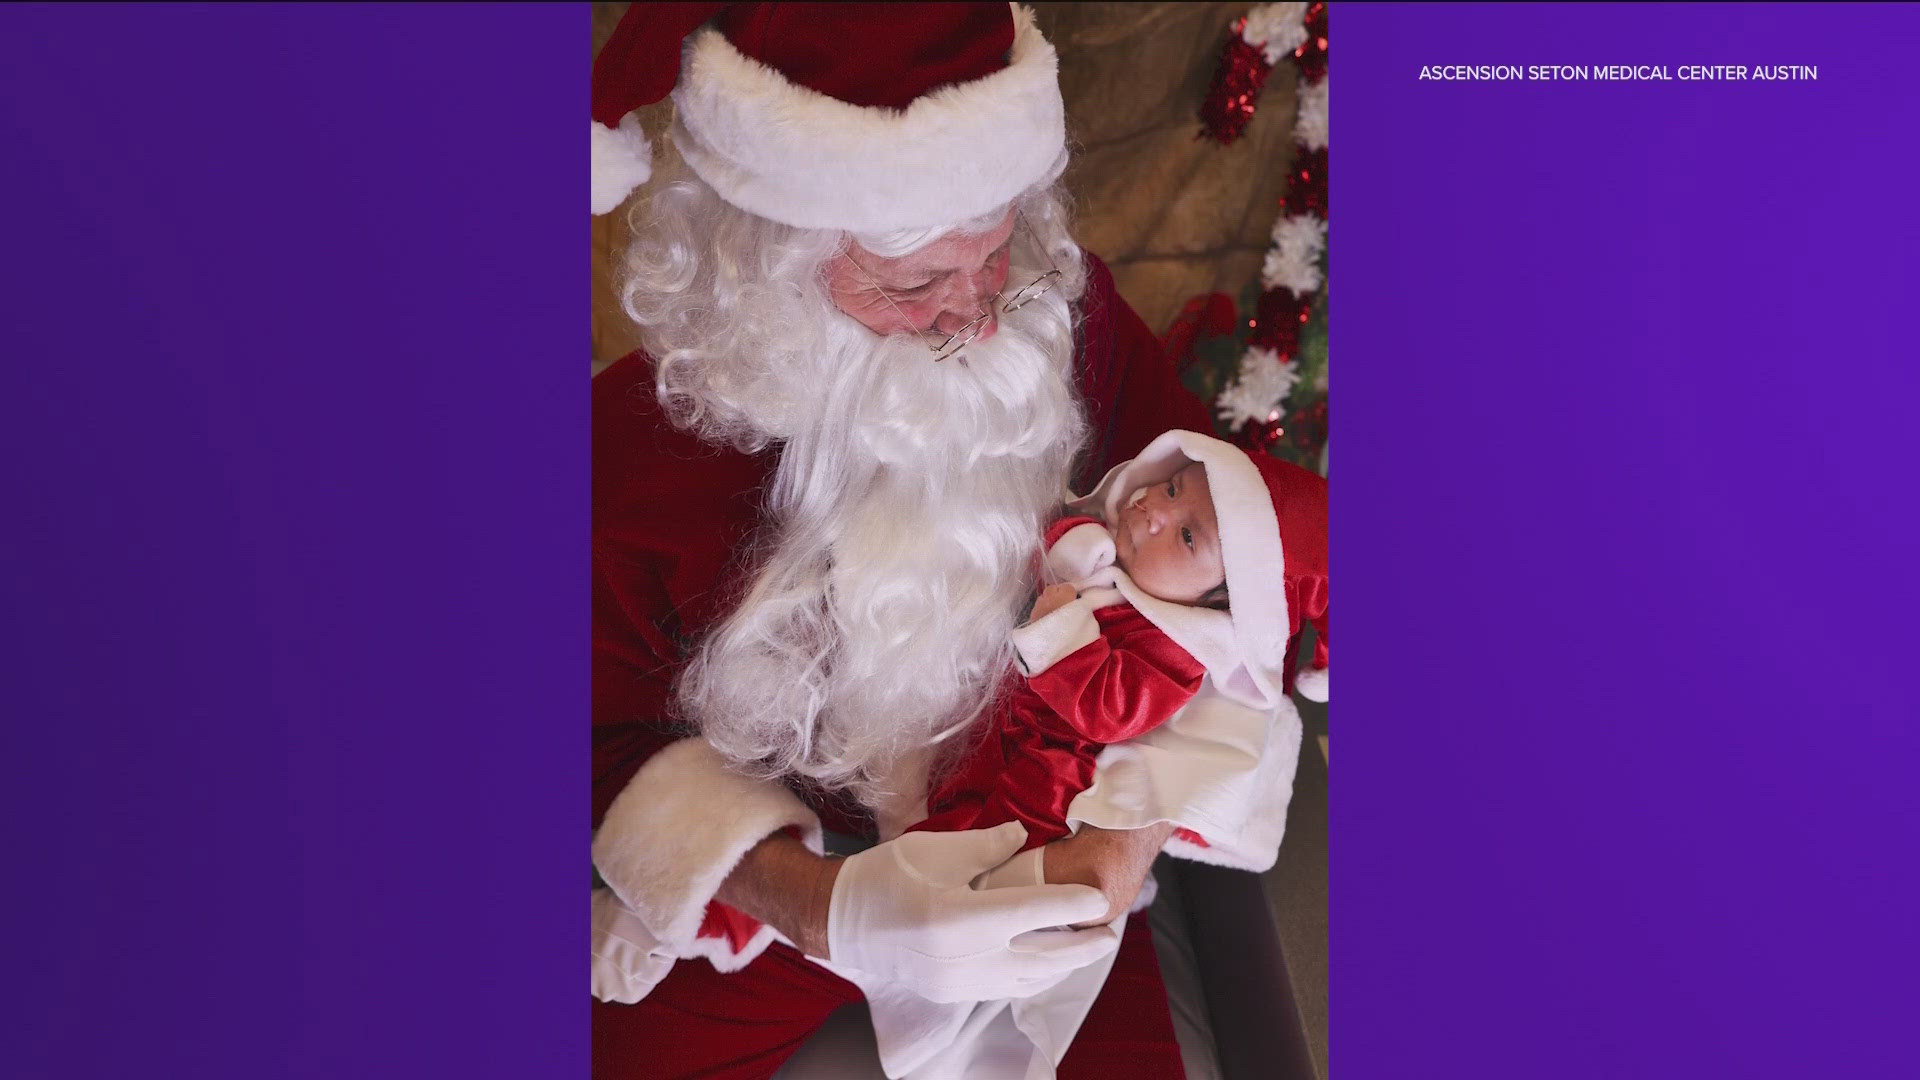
1172, 215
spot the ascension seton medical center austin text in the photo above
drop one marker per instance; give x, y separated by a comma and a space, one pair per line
1619, 73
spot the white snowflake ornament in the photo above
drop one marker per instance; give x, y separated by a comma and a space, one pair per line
1310, 126
1275, 29
1294, 261
1257, 391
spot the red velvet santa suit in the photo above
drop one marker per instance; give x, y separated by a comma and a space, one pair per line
671, 520
1051, 725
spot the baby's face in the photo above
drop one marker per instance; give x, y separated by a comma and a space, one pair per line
1168, 539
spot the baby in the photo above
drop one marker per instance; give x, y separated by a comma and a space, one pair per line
1136, 613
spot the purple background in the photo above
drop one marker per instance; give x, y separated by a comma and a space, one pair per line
293, 409
1625, 523
296, 521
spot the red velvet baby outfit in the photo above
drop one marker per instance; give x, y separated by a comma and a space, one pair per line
1049, 727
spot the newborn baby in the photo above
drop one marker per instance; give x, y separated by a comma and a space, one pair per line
1135, 616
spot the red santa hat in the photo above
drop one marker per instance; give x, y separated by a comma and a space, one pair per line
862, 117
1273, 542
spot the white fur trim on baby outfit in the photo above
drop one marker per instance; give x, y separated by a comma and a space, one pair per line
1080, 551
797, 156
1218, 768
1046, 641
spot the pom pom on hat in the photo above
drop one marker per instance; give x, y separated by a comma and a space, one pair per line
637, 66
1312, 684
622, 161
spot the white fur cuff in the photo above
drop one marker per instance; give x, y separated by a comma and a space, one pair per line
680, 827
1044, 642
1079, 552
1217, 768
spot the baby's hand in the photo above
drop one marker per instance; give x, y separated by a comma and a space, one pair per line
1052, 599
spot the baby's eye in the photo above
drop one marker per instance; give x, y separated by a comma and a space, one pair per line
1169, 489
1186, 536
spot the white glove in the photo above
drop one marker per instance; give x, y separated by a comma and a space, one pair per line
626, 959
1027, 868
1030, 868
905, 912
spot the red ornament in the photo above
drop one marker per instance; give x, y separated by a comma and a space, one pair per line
1307, 182
1308, 426
1236, 87
1310, 58
1261, 435
1277, 320
1210, 315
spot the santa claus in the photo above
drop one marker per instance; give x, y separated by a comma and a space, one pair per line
875, 362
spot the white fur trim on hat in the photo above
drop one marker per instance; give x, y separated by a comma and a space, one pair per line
797, 156
1244, 652
680, 827
622, 161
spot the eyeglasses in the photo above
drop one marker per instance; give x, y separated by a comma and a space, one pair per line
964, 336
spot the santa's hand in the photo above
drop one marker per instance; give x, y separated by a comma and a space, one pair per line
905, 912
1052, 599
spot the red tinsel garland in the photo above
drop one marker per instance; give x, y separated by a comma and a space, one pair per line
1262, 435
1310, 59
1243, 72
1307, 183
1277, 319
1279, 314
1308, 426
1236, 87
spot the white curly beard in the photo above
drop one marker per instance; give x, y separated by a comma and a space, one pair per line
905, 517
